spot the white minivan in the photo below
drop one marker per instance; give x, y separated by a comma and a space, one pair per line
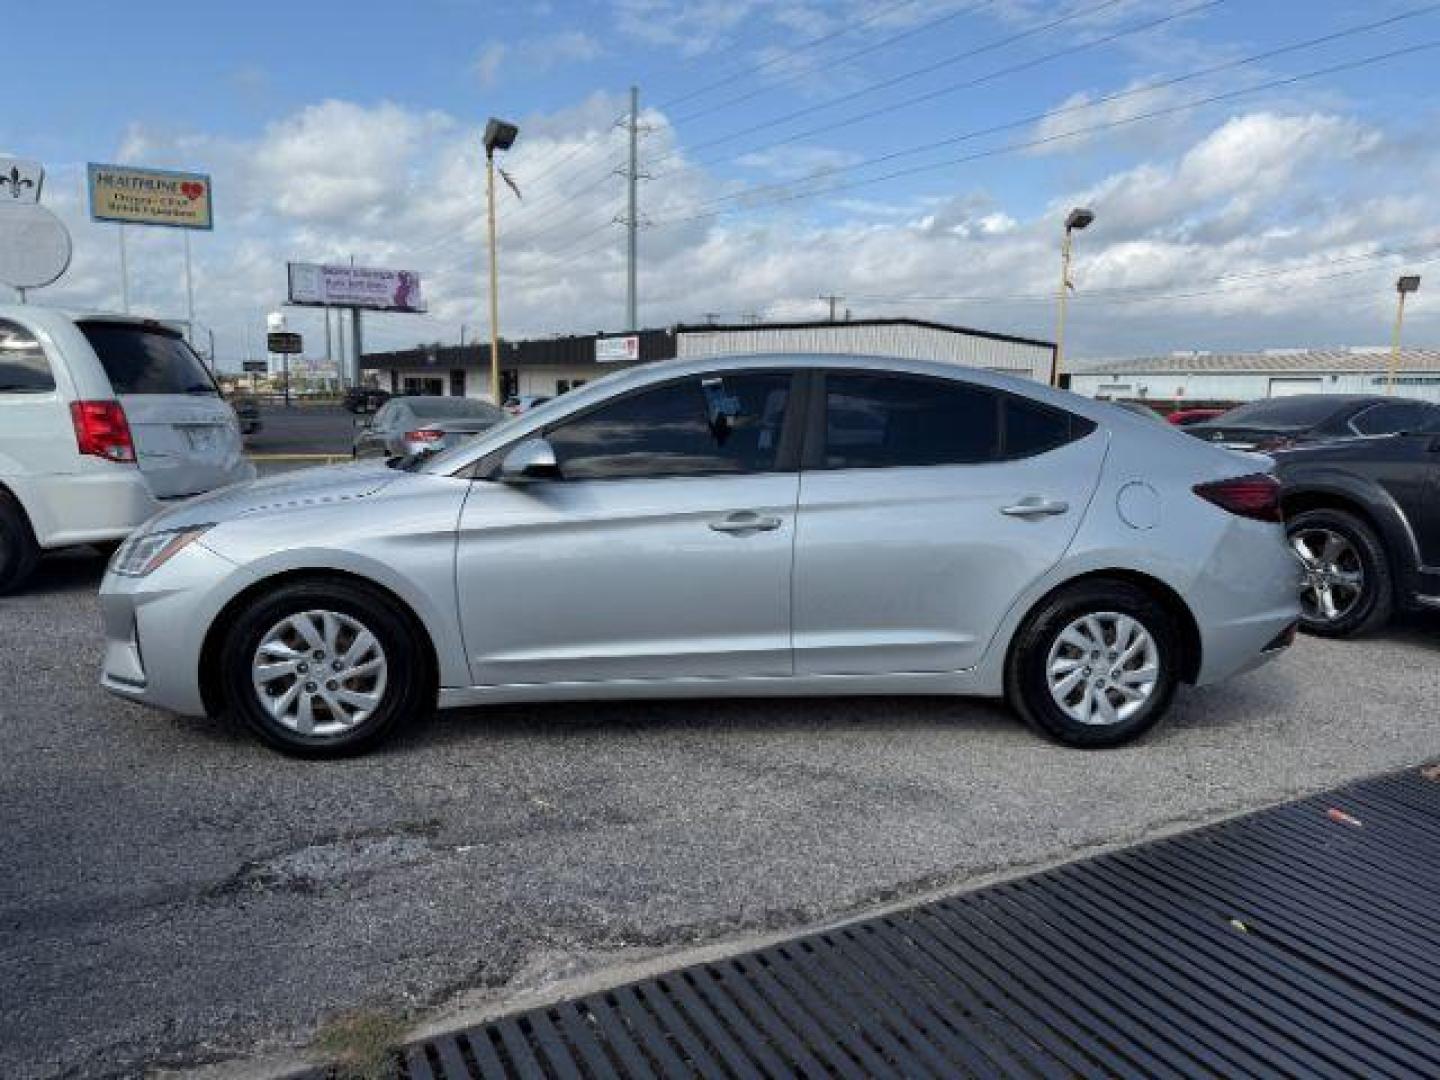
105, 420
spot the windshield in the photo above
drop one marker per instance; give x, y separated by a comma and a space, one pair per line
147, 359
1281, 412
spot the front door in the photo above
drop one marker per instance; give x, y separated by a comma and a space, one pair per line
663, 551
929, 507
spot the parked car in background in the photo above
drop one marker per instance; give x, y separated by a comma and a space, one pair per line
104, 421
1186, 417
957, 531
1363, 516
418, 425
523, 403
363, 400
1277, 423
247, 411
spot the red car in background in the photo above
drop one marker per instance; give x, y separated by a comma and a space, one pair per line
1186, 417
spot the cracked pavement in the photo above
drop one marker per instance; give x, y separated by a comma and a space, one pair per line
171, 892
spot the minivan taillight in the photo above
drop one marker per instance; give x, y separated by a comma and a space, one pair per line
101, 430
424, 435
1255, 496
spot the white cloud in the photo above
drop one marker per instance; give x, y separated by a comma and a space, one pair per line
534, 55
486, 65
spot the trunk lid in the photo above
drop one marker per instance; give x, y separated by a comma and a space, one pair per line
187, 439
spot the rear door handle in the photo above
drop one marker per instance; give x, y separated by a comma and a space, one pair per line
743, 522
1035, 507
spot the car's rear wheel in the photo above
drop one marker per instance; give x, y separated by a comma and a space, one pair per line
1096, 665
324, 669
18, 550
1347, 587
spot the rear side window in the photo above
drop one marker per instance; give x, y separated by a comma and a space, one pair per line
886, 421
142, 359
1032, 428
695, 427
23, 367
1389, 417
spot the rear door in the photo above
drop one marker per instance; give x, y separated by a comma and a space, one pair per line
926, 506
187, 439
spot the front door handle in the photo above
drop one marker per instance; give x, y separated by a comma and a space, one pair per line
1034, 506
744, 522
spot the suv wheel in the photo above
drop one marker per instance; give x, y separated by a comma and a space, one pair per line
324, 669
1347, 589
18, 550
1095, 666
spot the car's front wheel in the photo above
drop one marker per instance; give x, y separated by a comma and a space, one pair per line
1347, 588
324, 668
18, 551
1096, 665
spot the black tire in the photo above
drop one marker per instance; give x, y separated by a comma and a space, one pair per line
1027, 683
408, 693
1377, 591
18, 550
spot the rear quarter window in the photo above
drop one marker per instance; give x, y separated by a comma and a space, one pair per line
140, 359
23, 366
1031, 428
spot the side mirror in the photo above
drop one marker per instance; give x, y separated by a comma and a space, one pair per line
533, 459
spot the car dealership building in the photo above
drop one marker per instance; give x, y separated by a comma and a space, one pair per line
548, 366
1199, 378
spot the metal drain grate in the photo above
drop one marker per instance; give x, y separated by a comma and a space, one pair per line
1300, 941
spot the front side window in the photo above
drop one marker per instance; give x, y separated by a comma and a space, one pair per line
695, 427
887, 421
23, 367
143, 359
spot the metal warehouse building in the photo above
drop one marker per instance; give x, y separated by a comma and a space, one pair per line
554, 365
1225, 378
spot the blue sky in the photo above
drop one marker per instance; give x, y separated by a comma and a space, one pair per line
1262, 220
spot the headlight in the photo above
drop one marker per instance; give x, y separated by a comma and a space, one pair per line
145, 552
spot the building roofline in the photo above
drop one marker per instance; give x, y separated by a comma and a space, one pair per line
822, 324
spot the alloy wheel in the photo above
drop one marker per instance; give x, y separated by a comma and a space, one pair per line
1334, 575
319, 673
1103, 668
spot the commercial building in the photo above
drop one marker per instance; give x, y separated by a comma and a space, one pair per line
551, 366
1200, 378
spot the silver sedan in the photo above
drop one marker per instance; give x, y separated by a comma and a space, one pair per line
773, 525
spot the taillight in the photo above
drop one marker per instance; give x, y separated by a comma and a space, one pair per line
424, 435
1255, 496
101, 430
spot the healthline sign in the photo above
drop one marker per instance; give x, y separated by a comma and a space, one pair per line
134, 196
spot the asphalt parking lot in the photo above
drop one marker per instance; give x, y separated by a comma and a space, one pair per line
304, 429
170, 892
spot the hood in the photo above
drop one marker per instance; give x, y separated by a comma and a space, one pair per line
321, 486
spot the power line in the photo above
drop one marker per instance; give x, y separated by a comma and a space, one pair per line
1029, 144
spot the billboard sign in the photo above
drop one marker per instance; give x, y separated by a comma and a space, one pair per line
613, 349
287, 344
314, 285
255, 367
134, 196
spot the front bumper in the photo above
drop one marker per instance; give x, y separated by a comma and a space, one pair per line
155, 628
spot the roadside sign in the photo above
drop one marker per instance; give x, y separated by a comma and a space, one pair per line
20, 180
34, 245
609, 350
287, 344
315, 285
255, 367
135, 196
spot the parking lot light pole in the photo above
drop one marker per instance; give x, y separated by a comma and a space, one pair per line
499, 135
1408, 284
1078, 219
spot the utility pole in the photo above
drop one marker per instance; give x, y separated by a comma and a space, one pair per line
189, 293
329, 351
632, 222
833, 301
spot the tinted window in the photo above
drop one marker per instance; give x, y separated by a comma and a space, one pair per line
454, 407
876, 421
1304, 411
1389, 418
23, 367
727, 424
147, 359
1032, 428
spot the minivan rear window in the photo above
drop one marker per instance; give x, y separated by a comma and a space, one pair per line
145, 359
